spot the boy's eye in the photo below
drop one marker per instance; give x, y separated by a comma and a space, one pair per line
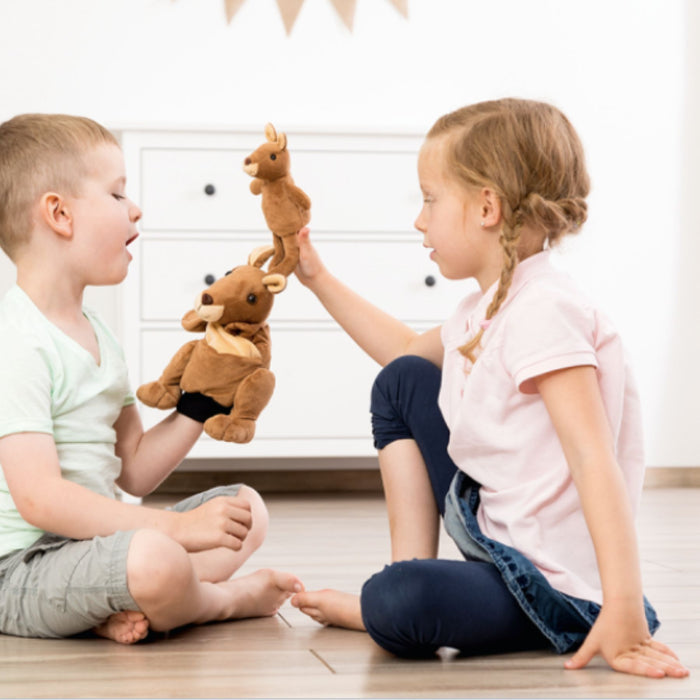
118, 197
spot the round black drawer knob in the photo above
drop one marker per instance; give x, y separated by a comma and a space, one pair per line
209, 279
430, 281
209, 189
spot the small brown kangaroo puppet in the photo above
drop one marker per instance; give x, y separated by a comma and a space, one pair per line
285, 206
224, 379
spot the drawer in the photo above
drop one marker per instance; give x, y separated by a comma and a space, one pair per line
313, 400
349, 190
391, 272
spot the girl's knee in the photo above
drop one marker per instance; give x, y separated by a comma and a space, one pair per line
406, 384
406, 368
393, 601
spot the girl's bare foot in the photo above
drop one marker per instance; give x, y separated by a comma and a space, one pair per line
260, 594
331, 607
126, 627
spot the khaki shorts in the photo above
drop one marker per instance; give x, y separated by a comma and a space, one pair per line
59, 587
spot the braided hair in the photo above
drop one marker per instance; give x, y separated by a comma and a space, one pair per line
529, 154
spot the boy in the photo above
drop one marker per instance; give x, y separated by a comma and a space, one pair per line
72, 557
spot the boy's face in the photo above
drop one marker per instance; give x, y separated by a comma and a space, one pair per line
104, 219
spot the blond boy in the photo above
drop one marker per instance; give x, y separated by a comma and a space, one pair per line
72, 557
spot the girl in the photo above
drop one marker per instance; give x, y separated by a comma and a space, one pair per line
517, 421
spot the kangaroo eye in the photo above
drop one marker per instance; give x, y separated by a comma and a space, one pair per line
273, 156
251, 299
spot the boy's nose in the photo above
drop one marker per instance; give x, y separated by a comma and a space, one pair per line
135, 213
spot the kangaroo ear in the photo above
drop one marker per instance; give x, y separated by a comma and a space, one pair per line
275, 282
270, 132
192, 322
260, 255
282, 141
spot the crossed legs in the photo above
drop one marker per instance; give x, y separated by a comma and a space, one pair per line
172, 587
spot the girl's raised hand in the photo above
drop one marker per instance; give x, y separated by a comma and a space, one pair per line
310, 264
627, 649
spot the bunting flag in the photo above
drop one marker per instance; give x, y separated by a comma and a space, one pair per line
289, 10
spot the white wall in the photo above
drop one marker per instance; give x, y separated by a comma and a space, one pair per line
626, 72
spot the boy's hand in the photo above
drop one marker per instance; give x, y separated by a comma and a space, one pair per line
223, 521
310, 264
627, 647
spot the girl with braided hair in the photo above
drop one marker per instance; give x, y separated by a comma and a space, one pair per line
517, 420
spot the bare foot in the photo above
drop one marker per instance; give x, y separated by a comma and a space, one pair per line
260, 594
331, 607
125, 627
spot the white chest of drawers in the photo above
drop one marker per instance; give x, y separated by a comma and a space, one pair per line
200, 220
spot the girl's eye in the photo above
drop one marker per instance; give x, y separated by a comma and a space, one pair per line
118, 197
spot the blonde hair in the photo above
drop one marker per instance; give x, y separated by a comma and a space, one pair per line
40, 153
529, 154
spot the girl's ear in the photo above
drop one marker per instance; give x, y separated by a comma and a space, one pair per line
490, 207
55, 213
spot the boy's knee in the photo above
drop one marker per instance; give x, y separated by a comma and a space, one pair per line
392, 603
261, 518
155, 563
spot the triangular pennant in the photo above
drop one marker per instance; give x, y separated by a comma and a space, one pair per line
346, 10
289, 9
232, 6
401, 6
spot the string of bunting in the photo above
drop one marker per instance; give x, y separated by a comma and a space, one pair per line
289, 10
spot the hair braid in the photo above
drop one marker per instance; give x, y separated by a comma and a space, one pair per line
509, 239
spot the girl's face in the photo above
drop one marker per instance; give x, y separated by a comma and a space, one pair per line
451, 219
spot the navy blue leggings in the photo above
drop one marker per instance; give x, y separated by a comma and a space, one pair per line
412, 608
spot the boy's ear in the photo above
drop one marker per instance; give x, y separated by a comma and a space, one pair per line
490, 204
55, 213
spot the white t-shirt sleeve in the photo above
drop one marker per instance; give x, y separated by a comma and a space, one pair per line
25, 387
548, 334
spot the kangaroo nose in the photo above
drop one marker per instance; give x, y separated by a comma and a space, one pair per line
207, 300
247, 161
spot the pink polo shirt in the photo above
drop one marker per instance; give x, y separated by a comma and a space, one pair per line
501, 434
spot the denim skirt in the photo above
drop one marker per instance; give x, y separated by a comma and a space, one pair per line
563, 619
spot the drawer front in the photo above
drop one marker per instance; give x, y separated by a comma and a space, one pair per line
349, 191
314, 400
390, 272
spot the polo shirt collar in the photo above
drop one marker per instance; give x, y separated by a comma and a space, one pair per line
525, 271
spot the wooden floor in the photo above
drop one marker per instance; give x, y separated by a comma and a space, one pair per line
337, 541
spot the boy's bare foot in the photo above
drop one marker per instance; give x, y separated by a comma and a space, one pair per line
125, 627
331, 607
260, 594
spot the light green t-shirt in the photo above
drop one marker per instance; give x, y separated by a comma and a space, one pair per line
51, 384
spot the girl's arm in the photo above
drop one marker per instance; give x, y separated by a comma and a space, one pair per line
48, 501
620, 634
380, 335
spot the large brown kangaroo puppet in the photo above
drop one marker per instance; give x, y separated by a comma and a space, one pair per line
230, 365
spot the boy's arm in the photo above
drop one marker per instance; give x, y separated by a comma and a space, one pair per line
620, 634
380, 335
48, 501
149, 457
